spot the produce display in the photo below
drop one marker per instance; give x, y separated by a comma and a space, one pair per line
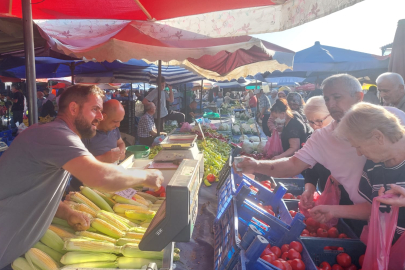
316, 229
344, 262
154, 151
288, 256
216, 153
117, 226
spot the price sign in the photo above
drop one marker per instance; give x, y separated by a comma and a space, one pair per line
127, 193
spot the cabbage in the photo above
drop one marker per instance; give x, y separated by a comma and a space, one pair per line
254, 129
251, 121
236, 129
224, 127
243, 138
246, 128
247, 147
255, 145
254, 139
237, 114
260, 147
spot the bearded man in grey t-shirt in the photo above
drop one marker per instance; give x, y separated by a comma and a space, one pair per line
36, 168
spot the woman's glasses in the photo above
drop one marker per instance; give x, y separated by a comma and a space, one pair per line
318, 122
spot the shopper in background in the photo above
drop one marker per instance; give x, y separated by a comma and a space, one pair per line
138, 95
48, 107
18, 105
191, 112
38, 165
172, 115
252, 102
283, 92
263, 112
293, 132
40, 99
153, 97
273, 96
378, 135
371, 96
392, 89
146, 128
297, 103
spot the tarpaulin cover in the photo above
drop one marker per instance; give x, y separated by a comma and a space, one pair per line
397, 62
211, 18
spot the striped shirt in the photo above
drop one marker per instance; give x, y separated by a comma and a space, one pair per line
146, 125
375, 176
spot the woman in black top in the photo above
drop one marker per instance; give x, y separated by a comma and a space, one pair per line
294, 132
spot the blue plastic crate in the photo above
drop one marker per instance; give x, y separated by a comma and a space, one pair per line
315, 247
341, 226
234, 184
294, 186
226, 239
6, 134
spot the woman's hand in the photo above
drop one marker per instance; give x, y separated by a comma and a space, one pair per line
78, 220
394, 201
248, 165
307, 199
322, 213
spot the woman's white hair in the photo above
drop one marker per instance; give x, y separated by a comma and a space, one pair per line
316, 106
349, 83
364, 118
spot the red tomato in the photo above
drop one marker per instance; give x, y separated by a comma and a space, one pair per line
293, 254
325, 266
327, 248
322, 232
333, 232
324, 226
313, 234
152, 193
278, 264
160, 190
269, 207
269, 258
271, 212
211, 178
341, 249
288, 196
276, 251
361, 260
305, 235
285, 248
267, 185
311, 229
337, 267
284, 256
305, 231
343, 259
297, 264
287, 266
343, 235
351, 267
292, 213
268, 246
266, 251
312, 222
299, 197
163, 194
296, 245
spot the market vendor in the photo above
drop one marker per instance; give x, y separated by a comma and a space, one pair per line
341, 92
36, 168
228, 99
153, 97
377, 134
146, 127
107, 145
191, 112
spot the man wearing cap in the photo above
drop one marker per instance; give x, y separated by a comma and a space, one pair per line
153, 97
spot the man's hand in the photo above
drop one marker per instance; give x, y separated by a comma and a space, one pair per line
115, 154
394, 201
322, 213
78, 220
247, 166
307, 199
154, 179
122, 154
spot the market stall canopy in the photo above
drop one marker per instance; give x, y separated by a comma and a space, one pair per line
321, 58
212, 18
240, 83
211, 58
397, 62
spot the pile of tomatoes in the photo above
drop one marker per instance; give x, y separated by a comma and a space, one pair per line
289, 196
316, 229
288, 257
344, 262
268, 209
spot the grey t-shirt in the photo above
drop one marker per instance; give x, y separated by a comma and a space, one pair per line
102, 142
32, 183
153, 96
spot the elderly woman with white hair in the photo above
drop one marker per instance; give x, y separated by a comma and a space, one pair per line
377, 134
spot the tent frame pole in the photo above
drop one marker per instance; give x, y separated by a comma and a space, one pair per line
29, 61
201, 94
159, 97
72, 72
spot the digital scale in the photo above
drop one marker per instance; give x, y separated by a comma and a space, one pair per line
182, 166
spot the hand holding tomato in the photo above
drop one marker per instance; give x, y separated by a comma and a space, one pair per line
322, 213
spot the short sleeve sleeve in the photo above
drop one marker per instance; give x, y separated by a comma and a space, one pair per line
152, 95
118, 134
309, 153
365, 188
296, 130
60, 147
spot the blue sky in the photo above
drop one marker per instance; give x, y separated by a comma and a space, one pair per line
364, 27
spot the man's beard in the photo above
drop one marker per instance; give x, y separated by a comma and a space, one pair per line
84, 128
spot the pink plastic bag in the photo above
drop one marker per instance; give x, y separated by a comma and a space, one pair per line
330, 196
305, 211
273, 146
397, 258
381, 231
185, 127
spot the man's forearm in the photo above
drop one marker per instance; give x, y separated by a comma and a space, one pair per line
153, 133
171, 96
121, 145
103, 158
360, 211
282, 168
63, 211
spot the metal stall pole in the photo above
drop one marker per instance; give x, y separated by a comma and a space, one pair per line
159, 96
202, 86
143, 94
72, 72
30, 61
185, 100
